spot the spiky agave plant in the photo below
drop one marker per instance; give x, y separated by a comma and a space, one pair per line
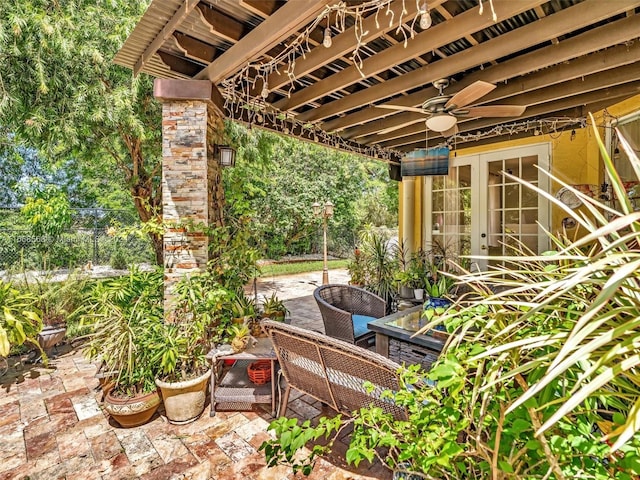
565, 325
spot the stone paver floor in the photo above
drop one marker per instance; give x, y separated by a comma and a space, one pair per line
52, 425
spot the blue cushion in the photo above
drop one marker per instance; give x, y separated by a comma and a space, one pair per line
360, 326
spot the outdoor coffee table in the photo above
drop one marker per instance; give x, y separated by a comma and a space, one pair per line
232, 389
396, 339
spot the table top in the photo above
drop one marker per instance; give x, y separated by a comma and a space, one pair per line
403, 325
262, 350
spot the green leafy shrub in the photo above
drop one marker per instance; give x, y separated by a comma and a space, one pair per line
20, 321
119, 259
201, 318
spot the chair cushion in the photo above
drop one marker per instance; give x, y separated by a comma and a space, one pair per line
360, 326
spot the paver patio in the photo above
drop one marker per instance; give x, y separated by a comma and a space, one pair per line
52, 426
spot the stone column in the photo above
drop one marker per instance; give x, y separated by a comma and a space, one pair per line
188, 174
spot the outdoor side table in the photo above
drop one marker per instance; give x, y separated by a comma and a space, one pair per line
232, 390
396, 338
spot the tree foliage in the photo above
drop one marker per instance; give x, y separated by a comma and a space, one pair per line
61, 94
277, 179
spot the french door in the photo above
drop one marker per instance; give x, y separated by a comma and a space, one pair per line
476, 210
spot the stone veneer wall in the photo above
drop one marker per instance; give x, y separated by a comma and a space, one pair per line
186, 172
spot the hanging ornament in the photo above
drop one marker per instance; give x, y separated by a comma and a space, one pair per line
425, 17
327, 42
265, 89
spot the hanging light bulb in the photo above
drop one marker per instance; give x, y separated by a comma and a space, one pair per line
327, 42
425, 17
265, 89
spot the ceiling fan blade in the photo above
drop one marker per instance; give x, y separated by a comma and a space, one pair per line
452, 131
495, 111
470, 94
402, 109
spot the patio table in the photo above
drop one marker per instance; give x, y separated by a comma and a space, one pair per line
396, 338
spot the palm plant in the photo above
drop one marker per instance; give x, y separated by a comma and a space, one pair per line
124, 316
380, 264
566, 324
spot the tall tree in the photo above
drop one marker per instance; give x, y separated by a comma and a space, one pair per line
60, 93
278, 194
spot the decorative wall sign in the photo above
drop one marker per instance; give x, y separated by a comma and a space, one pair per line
427, 162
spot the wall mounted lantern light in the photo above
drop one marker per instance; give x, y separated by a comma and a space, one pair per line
226, 155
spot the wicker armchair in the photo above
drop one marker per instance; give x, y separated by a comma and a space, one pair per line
332, 371
346, 311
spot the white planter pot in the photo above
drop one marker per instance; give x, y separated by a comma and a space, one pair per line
406, 292
184, 401
418, 293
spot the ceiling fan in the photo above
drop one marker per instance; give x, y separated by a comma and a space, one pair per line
444, 110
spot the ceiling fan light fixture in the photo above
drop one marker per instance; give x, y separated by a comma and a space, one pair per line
441, 122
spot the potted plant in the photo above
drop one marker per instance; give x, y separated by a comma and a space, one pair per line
56, 301
380, 264
199, 321
274, 308
243, 308
437, 287
406, 281
356, 269
124, 317
241, 338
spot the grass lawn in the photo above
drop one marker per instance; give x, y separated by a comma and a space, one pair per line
300, 267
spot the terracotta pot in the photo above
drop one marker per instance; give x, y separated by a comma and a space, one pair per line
184, 401
131, 412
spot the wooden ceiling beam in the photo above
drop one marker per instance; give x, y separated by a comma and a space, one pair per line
425, 41
565, 21
309, 135
221, 25
571, 48
290, 17
194, 48
574, 88
343, 43
608, 96
583, 66
261, 8
182, 13
179, 64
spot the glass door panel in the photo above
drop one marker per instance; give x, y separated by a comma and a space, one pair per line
513, 210
451, 211
477, 210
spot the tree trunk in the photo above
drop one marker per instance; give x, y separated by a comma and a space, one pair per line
146, 191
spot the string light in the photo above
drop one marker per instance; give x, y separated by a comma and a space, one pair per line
265, 89
425, 17
326, 41
551, 125
239, 90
